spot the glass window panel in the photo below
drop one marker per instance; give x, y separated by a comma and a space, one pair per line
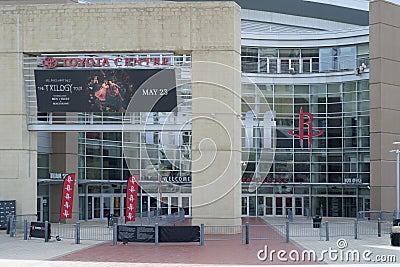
363, 85
114, 136
94, 162
112, 150
42, 173
283, 109
112, 162
301, 89
249, 59
268, 52
302, 177
363, 55
93, 174
363, 106
334, 190
349, 97
283, 89
317, 89
43, 160
347, 57
349, 87
363, 49
318, 190
363, 95
93, 149
328, 60
334, 88
268, 60
309, 52
94, 135
291, 53
349, 107
94, 189
301, 190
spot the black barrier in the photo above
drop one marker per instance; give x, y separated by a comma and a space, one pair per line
37, 229
135, 233
131, 233
317, 222
179, 234
395, 239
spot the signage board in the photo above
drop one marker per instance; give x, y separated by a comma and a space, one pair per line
128, 233
37, 229
105, 90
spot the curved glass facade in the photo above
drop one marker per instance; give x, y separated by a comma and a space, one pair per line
321, 163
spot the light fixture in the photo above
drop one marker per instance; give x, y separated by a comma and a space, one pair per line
397, 151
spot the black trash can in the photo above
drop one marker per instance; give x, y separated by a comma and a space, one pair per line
317, 221
396, 222
110, 219
395, 239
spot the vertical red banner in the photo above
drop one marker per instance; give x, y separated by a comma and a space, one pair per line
67, 197
131, 198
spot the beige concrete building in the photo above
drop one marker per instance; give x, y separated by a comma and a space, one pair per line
120, 28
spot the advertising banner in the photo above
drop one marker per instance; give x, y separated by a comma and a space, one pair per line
179, 233
131, 197
133, 233
67, 197
106, 90
128, 233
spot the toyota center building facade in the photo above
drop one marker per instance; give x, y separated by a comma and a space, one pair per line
222, 109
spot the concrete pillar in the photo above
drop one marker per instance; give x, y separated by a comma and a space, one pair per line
216, 138
64, 159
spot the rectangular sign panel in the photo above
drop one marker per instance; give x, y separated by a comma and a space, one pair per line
37, 229
106, 90
128, 233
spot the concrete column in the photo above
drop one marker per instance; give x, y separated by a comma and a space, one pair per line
64, 159
18, 147
384, 104
216, 138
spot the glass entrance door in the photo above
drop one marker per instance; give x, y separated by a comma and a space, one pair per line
106, 211
250, 206
245, 206
187, 205
100, 207
172, 204
96, 208
280, 205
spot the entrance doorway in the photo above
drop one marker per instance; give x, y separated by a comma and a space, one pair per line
171, 203
102, 206
272, 205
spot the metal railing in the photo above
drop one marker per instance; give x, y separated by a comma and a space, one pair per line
277, 231
156, 216
293, 65
266, 232
234, 232
375, 215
